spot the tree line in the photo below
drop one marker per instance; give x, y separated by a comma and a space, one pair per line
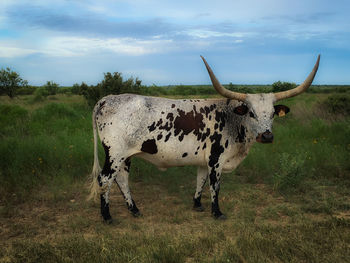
11, 84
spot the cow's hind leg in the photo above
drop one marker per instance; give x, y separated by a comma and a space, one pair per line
122, 181
202, 175
105, 184
116, 168
105, 180
214, 185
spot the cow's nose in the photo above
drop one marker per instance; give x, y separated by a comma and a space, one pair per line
267, 137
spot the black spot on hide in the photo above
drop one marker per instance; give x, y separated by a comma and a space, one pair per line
107, 167
149, 146
127, 165
220, 117
159, 122
100, 106
170, 116
160, 136
216, 149
184, 155
152, 127
240, 134
167, 137
188, 122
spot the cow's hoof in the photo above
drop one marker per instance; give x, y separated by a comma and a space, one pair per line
198, 208
108, 221
136, 214
219, 216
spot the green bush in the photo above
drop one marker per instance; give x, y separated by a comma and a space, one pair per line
26, 90
51, 87
10, 113
329, 89
92, 94
40, 94
111, 84
10, 82
282, 86
65, 90
76, 89
338, 104
290, 173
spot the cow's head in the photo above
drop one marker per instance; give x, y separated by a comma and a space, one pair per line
259, 108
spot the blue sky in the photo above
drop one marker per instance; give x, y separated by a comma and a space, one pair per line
244, 41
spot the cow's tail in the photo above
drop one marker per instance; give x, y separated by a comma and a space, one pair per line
96, 169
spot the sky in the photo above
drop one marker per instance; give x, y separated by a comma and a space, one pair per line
160, 42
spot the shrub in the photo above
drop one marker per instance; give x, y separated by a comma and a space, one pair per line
282, 86
40, 94
83, 89
111, 84
51, 87
76, 89
10, 82
10, 113
26, 90
337, 104
291, 172
65, 90
92, 94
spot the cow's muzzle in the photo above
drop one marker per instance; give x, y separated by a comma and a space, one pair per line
266, 137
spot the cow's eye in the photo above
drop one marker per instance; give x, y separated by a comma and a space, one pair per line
251, 114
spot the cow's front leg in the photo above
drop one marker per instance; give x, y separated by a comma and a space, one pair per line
214, 184
202, 175
122, 180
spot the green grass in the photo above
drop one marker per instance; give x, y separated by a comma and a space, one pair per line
287, 202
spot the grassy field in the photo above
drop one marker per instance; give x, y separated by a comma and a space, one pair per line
287, 202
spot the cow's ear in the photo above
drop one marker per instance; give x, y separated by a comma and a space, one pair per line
241, 110
281, 110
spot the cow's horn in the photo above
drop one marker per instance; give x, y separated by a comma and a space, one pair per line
220, 89
302, 87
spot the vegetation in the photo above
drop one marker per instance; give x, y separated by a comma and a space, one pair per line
282, 86
338, 104
287, 202
10, 82
111, 84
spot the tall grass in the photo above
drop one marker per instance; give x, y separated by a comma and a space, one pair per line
50, 142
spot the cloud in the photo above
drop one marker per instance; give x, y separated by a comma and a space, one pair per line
80, 46
10, 52
83, 22
77, 46
203, 33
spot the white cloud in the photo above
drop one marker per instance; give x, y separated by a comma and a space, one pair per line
10, 52
75, 46
79, 46
200, 33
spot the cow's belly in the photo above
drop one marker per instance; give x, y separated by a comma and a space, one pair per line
164, 161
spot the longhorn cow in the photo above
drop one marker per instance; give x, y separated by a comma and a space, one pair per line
213, 134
